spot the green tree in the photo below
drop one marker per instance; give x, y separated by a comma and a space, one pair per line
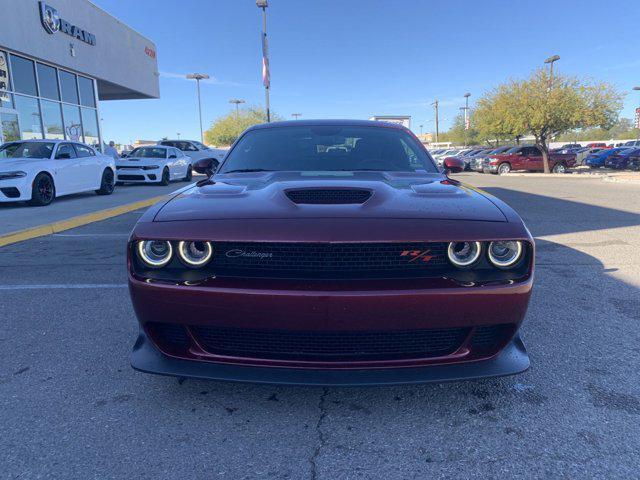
225, 130
490, 118
548, 109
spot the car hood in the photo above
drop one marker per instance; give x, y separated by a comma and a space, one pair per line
393, 195
12, 164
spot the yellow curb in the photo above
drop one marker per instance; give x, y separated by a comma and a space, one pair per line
62, 225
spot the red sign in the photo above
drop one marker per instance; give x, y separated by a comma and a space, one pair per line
150, 52
638, 117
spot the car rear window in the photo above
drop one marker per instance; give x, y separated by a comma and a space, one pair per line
149, 152
328, 148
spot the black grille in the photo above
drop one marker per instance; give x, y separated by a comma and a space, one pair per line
11, 192
328, 260
330, 346
125, 167
489, 337
130, 177
324, 196
169, 334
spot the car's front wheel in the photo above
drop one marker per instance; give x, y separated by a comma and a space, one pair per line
189, 175
504, 168
165, 177
559, 168
43, 190
107, 185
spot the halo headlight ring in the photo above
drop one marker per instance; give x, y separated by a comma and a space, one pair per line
511, 256
154, 257
464, 254
194, 254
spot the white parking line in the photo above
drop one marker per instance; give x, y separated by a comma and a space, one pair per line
64, 286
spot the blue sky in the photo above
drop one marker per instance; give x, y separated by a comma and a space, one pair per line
357, 58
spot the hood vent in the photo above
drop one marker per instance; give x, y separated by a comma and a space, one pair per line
328, 196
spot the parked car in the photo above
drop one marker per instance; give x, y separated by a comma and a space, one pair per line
38, 171
279, 271
634, 160
620, 160
479, 153
632, 143
195, 150
477, 162
154, 164
598, 145
581, 154
570, 146
597, 159
527, 158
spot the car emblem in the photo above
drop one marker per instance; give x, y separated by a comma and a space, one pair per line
49, 17
237, 252
417, 255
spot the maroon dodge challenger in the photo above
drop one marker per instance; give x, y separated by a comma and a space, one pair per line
330, 253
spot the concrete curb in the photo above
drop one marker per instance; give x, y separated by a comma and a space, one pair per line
62, 225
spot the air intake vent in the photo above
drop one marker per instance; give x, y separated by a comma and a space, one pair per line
324, 196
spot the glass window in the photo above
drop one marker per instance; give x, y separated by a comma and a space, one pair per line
10, 130
65, 150
27, 150
4, 75
72, 124
68, 87
149, 152
48, 82
328, 148
24, 76
29, 115
86, 92
6, 100
90, 126
52, 120
83, 151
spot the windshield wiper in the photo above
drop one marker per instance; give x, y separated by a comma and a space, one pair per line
248, 170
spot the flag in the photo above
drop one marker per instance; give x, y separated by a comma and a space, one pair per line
266, 77
638, 117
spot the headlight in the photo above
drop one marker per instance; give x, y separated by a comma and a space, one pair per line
155, 253
195, 254
150, 167
504, 254
464, 254
8, 175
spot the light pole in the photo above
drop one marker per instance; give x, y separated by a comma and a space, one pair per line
266, 76
296, 115
237, 102
435, 105
178, 134
466, 116
197, 77
551, 61
420, 130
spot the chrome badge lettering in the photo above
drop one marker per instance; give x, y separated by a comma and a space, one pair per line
237, 252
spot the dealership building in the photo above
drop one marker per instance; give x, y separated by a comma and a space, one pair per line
58, 59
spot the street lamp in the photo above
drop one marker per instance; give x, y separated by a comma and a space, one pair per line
266, 76
237, 101
178, 134
420, 129
435, 105
197, 77
551, 61
296, 115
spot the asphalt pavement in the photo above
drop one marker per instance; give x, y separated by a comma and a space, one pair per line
71, 406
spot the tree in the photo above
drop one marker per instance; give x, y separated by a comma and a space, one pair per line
490, 118
548, 109
225, 130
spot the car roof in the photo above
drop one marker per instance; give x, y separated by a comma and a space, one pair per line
178, 140
328, 123
155, 146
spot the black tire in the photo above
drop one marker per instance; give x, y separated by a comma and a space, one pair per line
43, 191
107, 185
504, 168
559, 168
189, 175
164, 181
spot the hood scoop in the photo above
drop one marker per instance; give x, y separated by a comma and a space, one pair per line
329, 196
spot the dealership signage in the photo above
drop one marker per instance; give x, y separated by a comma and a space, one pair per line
4, 77
52, 23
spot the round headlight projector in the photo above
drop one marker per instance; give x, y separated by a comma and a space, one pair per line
504, 254
464, 254
195, 254
155, 253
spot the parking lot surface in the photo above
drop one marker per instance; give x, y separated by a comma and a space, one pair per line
73, 408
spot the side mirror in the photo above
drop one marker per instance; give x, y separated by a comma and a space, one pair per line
63, 156
453, 165
206, 166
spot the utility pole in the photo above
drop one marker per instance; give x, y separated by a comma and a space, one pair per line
296, 115
435, 105
420, 129
551, 61
237, 102
197, 77
266, 76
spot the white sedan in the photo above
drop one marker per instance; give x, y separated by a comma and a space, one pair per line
154, 164
38, 171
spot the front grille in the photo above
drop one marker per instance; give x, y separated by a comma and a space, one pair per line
125, 167
170, 336
488, 337
329, 346
333, 196
328, 260
131, 177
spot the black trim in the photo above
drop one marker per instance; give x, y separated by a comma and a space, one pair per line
511, 360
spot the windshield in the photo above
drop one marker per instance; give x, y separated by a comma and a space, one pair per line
328, 148
26, 150
149, 152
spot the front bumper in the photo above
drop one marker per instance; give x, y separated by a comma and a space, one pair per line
511, 360
15, 190
138, 175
